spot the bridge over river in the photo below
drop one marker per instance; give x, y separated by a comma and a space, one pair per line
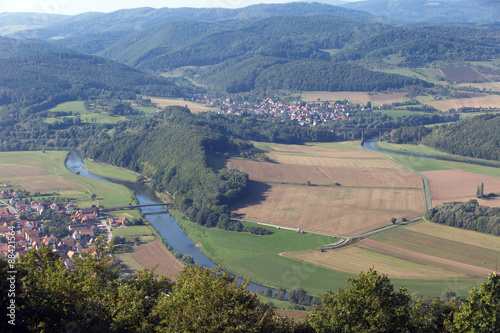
134, 206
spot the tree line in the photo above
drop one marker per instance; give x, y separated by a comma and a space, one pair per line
44, 296
467, 215
476, 137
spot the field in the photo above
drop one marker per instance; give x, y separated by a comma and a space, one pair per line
450, 185
380, 99
494, 86
193, 107
301, 174
110, 171
492, 101
351, 190
462, 74
352, 97
419, 251
150, 255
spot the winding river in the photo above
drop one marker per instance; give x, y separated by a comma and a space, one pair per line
156, 215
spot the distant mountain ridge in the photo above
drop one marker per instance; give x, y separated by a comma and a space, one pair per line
465, 11
143, 18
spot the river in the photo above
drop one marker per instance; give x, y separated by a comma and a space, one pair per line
370, 144
157, 215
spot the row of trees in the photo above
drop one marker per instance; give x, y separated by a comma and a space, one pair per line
92, 298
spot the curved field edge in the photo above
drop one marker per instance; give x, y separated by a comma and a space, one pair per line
258, 259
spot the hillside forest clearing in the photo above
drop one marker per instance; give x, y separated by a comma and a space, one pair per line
356, 190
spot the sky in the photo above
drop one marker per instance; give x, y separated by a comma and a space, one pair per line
73, 7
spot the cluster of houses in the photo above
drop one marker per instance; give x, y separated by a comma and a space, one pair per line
85, 227
297, 111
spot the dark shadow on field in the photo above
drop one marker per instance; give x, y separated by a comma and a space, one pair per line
256, 194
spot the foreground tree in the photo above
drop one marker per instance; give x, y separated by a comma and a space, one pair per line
210, 300
367, 304
481, 311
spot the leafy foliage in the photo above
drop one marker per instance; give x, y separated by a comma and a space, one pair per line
467, 215
474, 137
367, 304
481, 311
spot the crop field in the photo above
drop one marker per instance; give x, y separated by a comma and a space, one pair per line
356, 97
34, 171
383, 163
150, 255
492, 101
449, 185
419, 251
463, 74
193, 107
330, 210
380, 99
300, 174
352, 190
494, 86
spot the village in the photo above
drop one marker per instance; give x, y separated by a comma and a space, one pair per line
22, 225
303, 113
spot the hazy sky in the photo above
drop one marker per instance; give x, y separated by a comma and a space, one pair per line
72, 7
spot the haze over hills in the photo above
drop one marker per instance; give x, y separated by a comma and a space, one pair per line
432, 10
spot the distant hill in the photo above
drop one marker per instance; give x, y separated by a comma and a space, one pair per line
11, 23
44, 80
10, 47
143, 18
188, 43
432, 10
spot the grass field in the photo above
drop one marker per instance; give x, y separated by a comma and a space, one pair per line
110, 171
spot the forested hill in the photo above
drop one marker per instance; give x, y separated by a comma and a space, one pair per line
188, 43
11, 48
433, 11
43, 80
474, 137
419, 46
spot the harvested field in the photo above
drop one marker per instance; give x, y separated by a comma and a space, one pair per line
494, 86
383, 162
300, 174
462, 74
351, 96
492, 101
280, 173
330, 210
372, 177
383, 97
193, 107
456, 234
149, 255
454, 184
406, 254
348, 152
34, 178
